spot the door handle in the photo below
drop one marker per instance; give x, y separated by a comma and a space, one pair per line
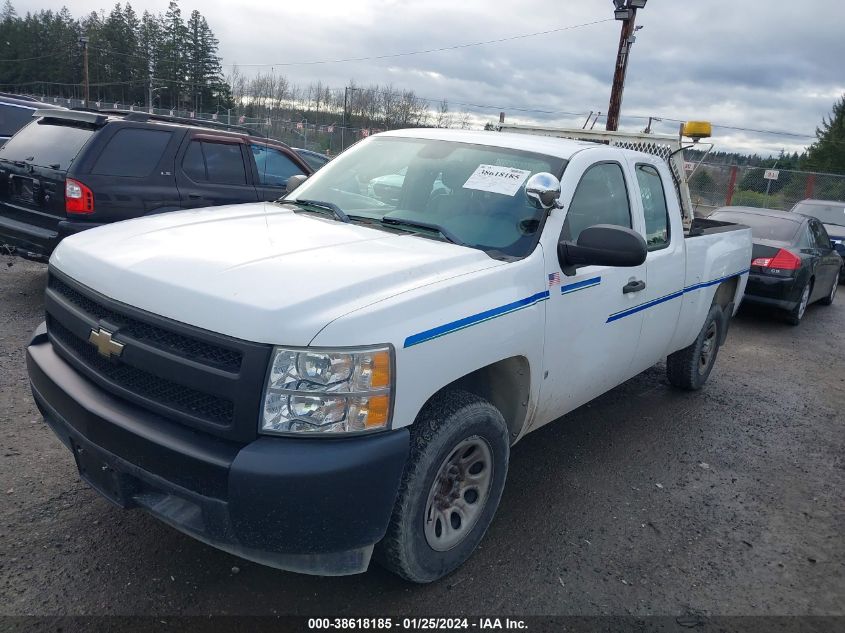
633, 286
194, 196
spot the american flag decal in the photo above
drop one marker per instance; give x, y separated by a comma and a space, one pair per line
554, 280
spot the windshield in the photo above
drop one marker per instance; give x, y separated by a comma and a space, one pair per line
473, 194
828, 213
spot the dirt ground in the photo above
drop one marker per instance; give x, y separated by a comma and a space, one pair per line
646, 501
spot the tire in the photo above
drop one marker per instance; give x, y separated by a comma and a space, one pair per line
828, 300
454, 433
794, 316
689, 368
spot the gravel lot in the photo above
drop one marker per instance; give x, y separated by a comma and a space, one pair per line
646, 501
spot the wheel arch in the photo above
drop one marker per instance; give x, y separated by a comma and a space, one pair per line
506, 384
726, 298
726, 293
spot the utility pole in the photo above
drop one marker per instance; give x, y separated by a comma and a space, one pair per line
626, 12
83, 40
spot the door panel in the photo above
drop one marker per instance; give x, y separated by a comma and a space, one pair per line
827, 266
664, 264
211, 173
591, 335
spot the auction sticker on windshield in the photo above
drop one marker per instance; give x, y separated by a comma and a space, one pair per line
504, 180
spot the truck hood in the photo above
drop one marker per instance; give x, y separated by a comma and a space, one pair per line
259, 272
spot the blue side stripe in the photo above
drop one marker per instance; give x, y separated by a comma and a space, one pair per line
580, 285
674, 295
466, 322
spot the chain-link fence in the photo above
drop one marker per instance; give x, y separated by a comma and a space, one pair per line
712, 186
329, 138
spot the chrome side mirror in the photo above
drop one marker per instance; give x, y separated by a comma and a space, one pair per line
543, 191
294, 182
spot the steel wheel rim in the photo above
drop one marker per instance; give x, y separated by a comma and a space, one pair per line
708, 347
833, 289
805, 297
458, 494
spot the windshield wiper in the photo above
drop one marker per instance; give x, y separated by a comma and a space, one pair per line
429, 226
338, 213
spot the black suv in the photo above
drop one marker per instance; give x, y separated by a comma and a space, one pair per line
71, 170
16, 111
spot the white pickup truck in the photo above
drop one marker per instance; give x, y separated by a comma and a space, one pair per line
342, 374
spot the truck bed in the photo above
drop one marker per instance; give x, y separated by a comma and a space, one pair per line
705, 226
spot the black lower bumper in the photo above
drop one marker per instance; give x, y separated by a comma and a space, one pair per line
778, 292
307, 505
38, 242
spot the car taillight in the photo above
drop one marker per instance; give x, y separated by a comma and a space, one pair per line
78, 197
783, 260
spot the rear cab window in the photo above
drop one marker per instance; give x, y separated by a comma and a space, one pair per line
656, 211
132, 152
48, 143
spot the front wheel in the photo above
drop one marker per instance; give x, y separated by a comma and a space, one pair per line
689, 368
450, 488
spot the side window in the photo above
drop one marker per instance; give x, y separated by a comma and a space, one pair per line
132, 152
654, 207
820, 235
274, 167
806, 239
224, 163
600, 198
193, 164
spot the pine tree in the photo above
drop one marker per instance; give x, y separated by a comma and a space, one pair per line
172, 66
827, 154
149, 40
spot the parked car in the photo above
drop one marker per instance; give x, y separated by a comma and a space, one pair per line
16, 111
794, 263
68, 171
299, 383
832, 214
388, 188
314, 159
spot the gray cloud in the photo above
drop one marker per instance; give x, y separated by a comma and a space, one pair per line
762, 65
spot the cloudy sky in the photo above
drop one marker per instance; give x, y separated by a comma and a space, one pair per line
773, 65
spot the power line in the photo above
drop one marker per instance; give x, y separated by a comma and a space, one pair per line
30, 59
429, 50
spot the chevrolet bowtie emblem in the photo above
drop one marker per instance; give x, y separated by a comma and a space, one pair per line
102, 340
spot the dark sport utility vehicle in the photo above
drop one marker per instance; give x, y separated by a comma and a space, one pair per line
16, 111
72, 170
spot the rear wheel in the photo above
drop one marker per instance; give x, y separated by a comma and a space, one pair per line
794, 316
450, 488
689, 368
832, 295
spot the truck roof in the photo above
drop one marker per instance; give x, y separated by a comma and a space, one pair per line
551, 146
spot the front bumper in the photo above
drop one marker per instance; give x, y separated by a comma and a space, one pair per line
307, 505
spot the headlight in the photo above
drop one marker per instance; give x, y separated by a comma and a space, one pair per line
327, 391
